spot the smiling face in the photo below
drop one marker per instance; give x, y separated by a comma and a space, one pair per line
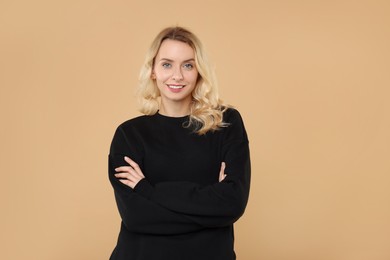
175, 73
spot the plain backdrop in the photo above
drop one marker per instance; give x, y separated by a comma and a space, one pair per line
310, 78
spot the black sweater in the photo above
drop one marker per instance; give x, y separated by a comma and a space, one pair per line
180, 211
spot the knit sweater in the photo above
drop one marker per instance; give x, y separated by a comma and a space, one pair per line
180, 210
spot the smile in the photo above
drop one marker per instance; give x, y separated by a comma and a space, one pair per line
176, 86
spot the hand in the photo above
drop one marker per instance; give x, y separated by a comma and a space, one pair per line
129, 175
222, 174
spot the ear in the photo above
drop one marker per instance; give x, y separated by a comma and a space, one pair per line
153, 76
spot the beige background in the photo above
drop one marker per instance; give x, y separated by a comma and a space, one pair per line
311, 79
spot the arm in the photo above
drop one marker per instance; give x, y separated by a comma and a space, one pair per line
139, 214
214, 205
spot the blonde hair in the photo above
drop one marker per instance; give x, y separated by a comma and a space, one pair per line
206, 112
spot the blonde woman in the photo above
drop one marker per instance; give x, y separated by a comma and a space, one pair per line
180, 172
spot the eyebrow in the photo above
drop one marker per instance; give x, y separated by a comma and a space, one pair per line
169, 60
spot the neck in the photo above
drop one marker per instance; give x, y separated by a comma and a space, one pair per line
174, 110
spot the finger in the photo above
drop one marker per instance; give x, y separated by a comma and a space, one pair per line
127, 174
221, 177
128, 183
222, 174
222, 170
124, 176
135, 166
123, 168
223, 166
130, 161
129, 179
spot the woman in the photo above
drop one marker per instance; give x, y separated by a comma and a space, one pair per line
181, 172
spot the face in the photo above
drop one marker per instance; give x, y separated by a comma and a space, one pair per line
175, 72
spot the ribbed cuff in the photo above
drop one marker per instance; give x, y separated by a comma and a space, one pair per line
144, 188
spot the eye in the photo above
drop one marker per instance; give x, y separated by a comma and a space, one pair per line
188, 66
166, 65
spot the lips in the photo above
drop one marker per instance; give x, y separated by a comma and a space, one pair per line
175, 86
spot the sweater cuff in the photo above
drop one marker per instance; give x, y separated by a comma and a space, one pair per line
144, 188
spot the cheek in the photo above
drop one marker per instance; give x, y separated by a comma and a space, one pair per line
193, 77
161, 76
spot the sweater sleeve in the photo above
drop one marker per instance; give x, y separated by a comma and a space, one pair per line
216, 205
139, 214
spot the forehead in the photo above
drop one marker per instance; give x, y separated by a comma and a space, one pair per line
175, 50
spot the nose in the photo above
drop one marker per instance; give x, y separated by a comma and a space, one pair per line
177, 74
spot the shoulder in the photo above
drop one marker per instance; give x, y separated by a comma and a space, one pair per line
232, 116
235, 128
132, 128
128, 133
135, 123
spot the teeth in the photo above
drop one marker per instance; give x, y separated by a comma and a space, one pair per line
175, 87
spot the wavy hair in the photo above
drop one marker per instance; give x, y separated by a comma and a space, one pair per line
206, 111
